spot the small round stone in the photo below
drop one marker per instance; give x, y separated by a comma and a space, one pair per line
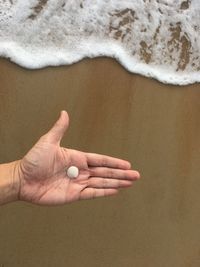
72, 172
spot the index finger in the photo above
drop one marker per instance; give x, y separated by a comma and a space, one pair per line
97, 160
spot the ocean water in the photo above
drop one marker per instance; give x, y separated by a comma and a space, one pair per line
154, 38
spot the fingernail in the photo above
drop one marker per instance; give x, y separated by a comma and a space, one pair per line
137, 175
129, 165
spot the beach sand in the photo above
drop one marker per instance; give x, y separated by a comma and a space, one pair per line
155, 223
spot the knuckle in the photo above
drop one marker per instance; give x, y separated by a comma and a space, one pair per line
110, 173
104, 161
105, 183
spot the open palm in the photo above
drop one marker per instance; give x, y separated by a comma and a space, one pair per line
43, 171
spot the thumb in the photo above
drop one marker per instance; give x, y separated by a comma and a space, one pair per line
57, 131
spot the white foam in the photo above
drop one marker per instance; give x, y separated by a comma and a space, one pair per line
155, 38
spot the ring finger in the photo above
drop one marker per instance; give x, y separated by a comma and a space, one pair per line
113, 173
98, 182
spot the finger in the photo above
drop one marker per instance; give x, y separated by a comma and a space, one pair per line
90, 193
106, 161
57, 131
99, 182
114, 173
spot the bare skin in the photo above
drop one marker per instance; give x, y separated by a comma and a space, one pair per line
41, 176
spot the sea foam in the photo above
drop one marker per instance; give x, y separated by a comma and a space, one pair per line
155, 38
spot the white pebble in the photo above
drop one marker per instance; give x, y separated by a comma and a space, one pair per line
72, 172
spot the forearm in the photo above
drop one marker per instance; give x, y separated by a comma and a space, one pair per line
9, 182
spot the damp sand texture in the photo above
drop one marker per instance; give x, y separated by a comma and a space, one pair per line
155, 126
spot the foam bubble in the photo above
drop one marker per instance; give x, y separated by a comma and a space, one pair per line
155, 38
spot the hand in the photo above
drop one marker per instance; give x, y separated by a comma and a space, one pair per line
43, 175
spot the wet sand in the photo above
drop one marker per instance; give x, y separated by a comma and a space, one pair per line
155, 126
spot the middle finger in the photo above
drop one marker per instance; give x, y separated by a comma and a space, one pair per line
113, 173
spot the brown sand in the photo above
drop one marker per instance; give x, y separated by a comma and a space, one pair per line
157, 127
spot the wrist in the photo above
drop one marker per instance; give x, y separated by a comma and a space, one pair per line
9, 182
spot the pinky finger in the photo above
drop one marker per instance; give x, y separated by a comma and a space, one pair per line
91, 193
